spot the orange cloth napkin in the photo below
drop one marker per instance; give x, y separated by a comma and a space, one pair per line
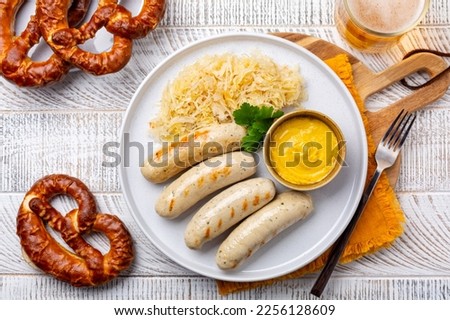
380, 224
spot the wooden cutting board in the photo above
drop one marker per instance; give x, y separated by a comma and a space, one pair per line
367, 83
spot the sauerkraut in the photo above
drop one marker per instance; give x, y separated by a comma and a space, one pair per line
209, 90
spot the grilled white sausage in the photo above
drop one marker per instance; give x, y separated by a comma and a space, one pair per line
202, 180
262, 226
202, 144
228, 208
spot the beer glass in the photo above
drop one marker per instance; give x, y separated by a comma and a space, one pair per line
376, 25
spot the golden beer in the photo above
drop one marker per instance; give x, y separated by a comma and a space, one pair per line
375, 25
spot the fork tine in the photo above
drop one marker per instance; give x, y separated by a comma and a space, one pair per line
406, 132
394, 123
399, 130
393, 139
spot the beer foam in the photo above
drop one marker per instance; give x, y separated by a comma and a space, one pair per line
387, 16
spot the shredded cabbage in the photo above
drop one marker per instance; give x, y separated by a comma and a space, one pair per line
208, 91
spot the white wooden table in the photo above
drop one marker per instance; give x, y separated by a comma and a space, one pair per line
62, 129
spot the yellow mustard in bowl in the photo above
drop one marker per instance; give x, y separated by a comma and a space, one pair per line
304, 150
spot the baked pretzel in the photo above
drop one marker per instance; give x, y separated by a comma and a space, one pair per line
122, 23
65, 40
77, 11
16, 65
85, 266
115, 18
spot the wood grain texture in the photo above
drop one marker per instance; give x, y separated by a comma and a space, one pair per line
195, 288
81, 91
63, 128
64, 142
75, 143
420, 251
270, 13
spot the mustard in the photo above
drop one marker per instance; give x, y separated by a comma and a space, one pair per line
303, 150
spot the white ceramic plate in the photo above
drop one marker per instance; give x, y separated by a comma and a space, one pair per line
334, 204
101, 42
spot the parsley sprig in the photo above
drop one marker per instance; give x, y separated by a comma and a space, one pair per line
257, 121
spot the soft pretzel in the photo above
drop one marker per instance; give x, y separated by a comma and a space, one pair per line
85, 266
77, 11
16, 65
65, 40
123, 23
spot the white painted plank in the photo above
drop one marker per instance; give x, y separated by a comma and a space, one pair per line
63, 128
279, 13
423, 249
194, 288
250, 12
81, 91
40, 143
426, 154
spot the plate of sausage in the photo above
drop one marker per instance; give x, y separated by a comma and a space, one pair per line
195, 213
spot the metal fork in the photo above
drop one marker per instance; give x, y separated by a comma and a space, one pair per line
385, 156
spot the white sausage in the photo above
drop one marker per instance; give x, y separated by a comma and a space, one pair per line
228, 208
262, 226
202, 144
202, 180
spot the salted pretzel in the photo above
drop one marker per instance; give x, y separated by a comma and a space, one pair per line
85, 266
65, 40
16, 65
